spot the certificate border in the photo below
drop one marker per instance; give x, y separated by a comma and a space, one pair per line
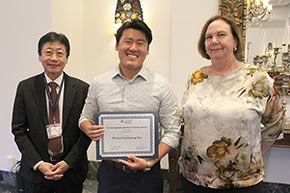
154, 144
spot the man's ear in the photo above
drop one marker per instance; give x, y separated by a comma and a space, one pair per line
116, 46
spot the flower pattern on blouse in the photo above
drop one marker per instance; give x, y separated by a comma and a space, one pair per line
223, 131
197, 77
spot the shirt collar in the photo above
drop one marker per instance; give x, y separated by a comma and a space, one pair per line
57, 81
142, 73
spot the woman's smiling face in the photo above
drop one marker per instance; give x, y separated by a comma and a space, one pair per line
219, 40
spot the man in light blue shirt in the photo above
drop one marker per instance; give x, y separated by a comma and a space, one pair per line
132, 87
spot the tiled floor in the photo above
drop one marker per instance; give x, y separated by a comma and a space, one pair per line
90, 186
8, 182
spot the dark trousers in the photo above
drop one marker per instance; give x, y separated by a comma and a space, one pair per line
114, 180
189, 187
51, 186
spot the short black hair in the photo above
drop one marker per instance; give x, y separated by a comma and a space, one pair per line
135, 24
53, 37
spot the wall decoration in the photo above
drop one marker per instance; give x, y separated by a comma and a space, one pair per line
237, 10
127, 10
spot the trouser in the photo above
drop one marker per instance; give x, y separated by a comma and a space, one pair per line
115, 180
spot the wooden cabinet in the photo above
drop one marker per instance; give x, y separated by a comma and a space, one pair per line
173, 173
285, 142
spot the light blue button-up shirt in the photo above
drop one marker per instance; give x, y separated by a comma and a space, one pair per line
147, 91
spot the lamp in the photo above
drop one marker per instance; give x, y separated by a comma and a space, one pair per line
258, 10
127, 10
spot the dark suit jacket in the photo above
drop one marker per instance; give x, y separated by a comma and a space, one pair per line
29, 127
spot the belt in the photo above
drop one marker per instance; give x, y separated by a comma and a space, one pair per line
122, 167
55, 158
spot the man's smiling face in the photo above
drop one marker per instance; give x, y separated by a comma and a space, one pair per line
132, 49
55, 62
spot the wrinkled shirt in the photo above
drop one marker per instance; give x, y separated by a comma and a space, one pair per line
147, 91
223, 116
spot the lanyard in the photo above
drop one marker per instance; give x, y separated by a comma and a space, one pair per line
49, 95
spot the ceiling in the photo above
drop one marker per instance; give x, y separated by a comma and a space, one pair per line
279, 2
276, 20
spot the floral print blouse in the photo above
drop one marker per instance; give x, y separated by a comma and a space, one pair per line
226, 117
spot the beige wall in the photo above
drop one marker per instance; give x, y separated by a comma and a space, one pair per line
88, 24
173, 52
22, 24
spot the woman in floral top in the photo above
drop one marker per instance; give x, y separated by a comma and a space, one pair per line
224, 106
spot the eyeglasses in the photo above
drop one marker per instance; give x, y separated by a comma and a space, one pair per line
49, 53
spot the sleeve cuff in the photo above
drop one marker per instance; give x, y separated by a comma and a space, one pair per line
36, 165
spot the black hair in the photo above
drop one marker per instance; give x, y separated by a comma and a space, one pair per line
135, 24
52, 37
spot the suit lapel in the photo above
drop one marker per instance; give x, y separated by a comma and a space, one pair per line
69, 95
39, 93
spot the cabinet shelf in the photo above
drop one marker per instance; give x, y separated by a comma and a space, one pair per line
285, 142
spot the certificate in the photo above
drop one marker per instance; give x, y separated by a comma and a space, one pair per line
128, 133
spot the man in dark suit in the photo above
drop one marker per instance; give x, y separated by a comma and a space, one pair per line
38, 119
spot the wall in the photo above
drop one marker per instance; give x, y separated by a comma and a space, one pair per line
277, 165
176, 28
188, 19
275, 31
97, 46
22, 23
170, 26
276, 159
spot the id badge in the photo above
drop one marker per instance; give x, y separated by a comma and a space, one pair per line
53, 130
